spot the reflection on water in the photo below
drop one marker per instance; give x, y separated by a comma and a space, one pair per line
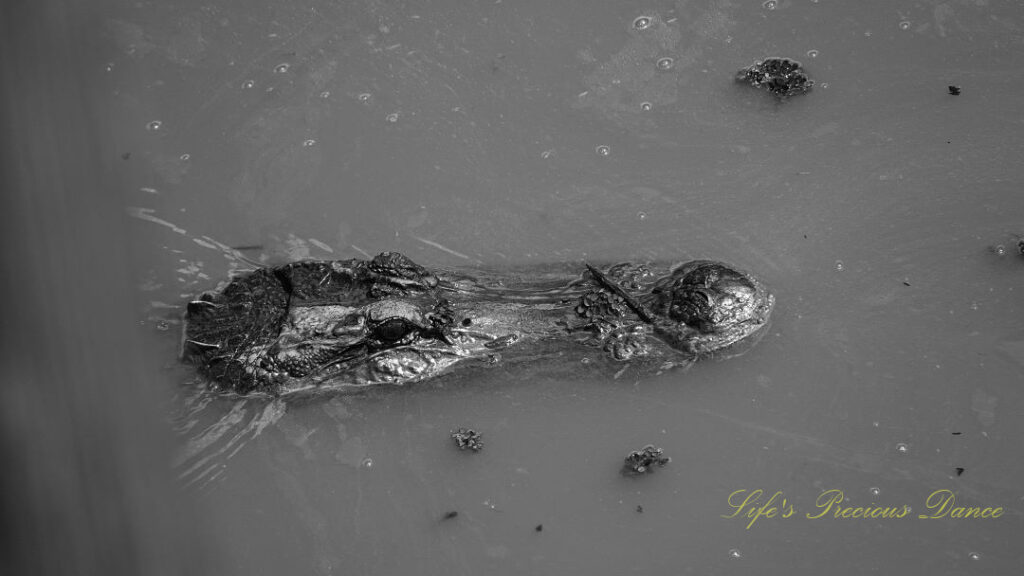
511, 133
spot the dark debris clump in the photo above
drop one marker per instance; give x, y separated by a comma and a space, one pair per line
641, 461
468, 439
780, 76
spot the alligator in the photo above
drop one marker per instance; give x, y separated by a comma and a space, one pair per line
388, 320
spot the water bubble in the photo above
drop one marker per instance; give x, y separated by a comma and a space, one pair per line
163, 326
874, 491
902, 448
642, 23
839, 265
282, 68
603, 150
905, 25
367, 463
185, 157
974, 556
812, 53
393, 117
248, 84
308, 143
364, 97
665, 64
735, 553
154, 125
645, 106
641, 215
325, 94
824, 84
1000, 250
585, 361
770, 5
110, 66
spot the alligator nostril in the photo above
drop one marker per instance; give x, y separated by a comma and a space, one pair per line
466, 321
705, 295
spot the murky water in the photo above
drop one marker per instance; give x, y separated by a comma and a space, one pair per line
526, 133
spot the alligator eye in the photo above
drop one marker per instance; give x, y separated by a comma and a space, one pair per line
393, 330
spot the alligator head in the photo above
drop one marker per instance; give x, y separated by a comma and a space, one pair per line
391, 321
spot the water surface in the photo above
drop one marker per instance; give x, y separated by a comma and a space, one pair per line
528, 133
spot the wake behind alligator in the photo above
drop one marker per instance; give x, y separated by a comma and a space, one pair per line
391, 321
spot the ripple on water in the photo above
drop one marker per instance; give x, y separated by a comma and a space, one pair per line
282, 68
603, 150
154, 125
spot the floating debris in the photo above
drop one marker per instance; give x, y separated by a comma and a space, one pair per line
468, 439
643, 460
780, 76
954, 90
450, 514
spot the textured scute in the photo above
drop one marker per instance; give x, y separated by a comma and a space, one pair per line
399, 266
249, 310
221, 330
316, 282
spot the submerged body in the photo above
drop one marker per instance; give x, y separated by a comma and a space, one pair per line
390, 321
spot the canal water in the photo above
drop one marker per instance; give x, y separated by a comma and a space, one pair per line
881, 209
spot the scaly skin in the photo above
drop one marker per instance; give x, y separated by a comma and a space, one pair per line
391, 321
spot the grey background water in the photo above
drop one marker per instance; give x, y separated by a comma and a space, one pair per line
471, 134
